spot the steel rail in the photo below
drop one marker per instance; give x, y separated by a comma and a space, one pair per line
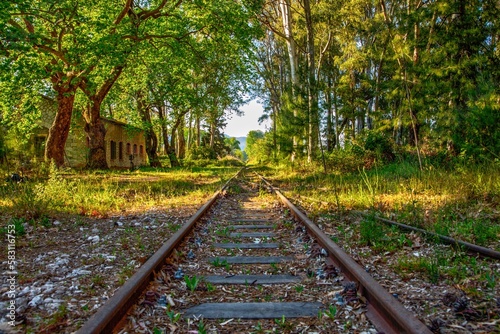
448, 240
385, 312
112, 312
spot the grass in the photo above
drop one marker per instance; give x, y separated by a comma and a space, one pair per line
101, 193
461, 203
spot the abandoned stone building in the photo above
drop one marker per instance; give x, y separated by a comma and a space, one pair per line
125, 145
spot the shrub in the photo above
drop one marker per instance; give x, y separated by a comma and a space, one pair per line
229, 161
201, 153
380, 145
350, 159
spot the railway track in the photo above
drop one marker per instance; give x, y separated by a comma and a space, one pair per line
247, 263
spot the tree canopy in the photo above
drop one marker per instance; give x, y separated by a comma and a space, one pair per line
330, 74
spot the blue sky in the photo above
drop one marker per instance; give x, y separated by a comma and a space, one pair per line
240, 126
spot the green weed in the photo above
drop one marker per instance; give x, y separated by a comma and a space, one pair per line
18, 227
331, 312
283, 324
202, 329
371, 232
172, 316
192, 282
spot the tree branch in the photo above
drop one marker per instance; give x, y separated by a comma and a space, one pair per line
157, 11
124, 12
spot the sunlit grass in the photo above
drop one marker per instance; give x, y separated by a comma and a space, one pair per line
462, 202
111, 192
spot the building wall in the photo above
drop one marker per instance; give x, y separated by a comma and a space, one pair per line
118, 135
125, 146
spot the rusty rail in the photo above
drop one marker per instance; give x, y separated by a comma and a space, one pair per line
111, 313
447, 240
385, 312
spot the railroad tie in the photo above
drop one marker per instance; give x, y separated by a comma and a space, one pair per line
254, 310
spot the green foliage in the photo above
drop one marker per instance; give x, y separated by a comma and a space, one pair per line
429, 266
417, 77
259, 147
18, 227
350, 159
229, 161
192, 282
371, 232
331, 312
172, 316
379, 144
201, 153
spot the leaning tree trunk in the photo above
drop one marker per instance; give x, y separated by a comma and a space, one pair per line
58, 132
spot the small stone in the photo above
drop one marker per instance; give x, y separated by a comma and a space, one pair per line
320, 274
197, 242
179, 274
52, 306
110, 258
56, 223
95, 230
340, 299
24, 291
94, 239
162, 302
35, 301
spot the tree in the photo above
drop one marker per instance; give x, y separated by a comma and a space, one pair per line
88, 46
414, 71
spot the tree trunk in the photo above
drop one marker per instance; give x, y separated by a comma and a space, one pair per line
96, 134
190, 131
212, 135
181, 140
313, 126
94, 127
164, 130
58, 132
329, 116
171, 148
286, 16
174, 162
198, 131
151, 139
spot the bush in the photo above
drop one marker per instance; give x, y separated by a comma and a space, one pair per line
201, 153
197, 162
380, 145
32, 200
230, 161
350, 159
